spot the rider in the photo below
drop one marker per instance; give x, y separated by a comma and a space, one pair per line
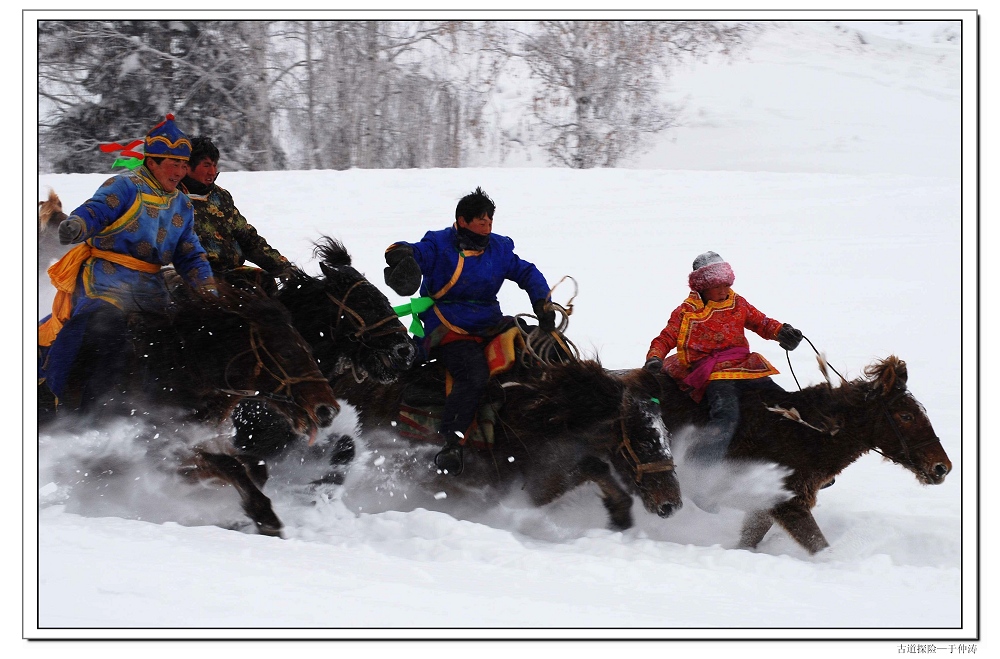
463, 268
228, 239
713, 359
134, 224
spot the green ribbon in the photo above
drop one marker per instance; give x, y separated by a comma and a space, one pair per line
128, 163
417, 305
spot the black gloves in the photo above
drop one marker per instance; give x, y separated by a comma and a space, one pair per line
403, 274
789, 337
546, 316
71, 231
653, 365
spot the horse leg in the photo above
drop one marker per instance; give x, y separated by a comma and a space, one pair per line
756, 524
795, 517
546, 487
617, 501
255, 503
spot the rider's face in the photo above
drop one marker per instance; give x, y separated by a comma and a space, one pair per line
481, 225
716, 294
168, 172
205, 171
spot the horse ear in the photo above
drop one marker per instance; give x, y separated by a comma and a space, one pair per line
328, 271
891, 375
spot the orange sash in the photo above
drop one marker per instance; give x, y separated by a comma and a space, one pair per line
63, 274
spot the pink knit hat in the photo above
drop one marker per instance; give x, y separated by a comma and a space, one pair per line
710, 271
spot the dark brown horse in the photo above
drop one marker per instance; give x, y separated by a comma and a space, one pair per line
353, 331
816, 433
203, 356
556, 428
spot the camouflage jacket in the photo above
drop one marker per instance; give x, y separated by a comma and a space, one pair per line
228, 239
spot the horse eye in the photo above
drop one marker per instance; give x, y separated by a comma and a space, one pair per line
905, 417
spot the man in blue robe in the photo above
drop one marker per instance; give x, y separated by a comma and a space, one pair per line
463, 268
134, 224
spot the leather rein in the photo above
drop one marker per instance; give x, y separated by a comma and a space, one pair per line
363, 329
284, 380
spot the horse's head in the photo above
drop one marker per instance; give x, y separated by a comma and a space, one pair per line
900, 429
349, 322
50, 213
246, 347
643, 456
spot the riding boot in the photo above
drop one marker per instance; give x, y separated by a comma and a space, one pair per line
449, 459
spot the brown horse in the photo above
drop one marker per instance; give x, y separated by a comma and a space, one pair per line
817, 432
50, 214
203, 356
556, 428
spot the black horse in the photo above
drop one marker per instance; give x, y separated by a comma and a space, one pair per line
201, 357
556, 427
353, 332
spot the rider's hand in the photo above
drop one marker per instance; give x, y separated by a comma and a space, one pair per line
545, 314
403, 274
71, 231
653, 365
789, 337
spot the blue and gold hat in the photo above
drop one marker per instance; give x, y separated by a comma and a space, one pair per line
165, 140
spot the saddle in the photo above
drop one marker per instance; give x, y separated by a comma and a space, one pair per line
422, 400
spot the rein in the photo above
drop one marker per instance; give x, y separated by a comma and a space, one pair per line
641, 468
285, 381
884, 407
363, 328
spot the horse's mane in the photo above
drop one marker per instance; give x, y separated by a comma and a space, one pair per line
331, 252
574, 394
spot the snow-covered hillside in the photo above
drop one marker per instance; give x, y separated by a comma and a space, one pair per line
826, 171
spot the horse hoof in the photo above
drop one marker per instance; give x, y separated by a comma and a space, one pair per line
269, 529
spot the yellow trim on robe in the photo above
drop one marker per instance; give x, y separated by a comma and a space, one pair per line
63, 274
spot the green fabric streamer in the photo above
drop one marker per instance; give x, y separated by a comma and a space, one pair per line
417, 305
128, 163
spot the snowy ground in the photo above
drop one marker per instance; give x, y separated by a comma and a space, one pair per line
827, 174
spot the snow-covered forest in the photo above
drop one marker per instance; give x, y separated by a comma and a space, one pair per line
338, 94
828, 161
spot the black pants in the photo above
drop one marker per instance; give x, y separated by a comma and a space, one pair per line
470, 372
723, 400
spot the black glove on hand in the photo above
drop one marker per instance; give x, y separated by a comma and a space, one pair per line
71, 231
653, 365
546, 316
403, 274
789, 337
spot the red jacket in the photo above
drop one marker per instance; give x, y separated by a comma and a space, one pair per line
699, 330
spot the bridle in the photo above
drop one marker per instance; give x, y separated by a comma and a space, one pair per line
632, 458
284, 380
907, 458
363, 329
884, 406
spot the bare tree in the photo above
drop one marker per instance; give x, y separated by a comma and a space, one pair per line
597, 99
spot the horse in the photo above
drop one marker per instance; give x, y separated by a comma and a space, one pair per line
352, 330
50, 214
816, 433
203, 356
556, 428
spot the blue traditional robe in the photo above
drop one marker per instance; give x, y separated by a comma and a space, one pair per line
470, 305
130, 214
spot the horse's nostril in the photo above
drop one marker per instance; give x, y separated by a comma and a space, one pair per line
668, 509
940, 469
325, 415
